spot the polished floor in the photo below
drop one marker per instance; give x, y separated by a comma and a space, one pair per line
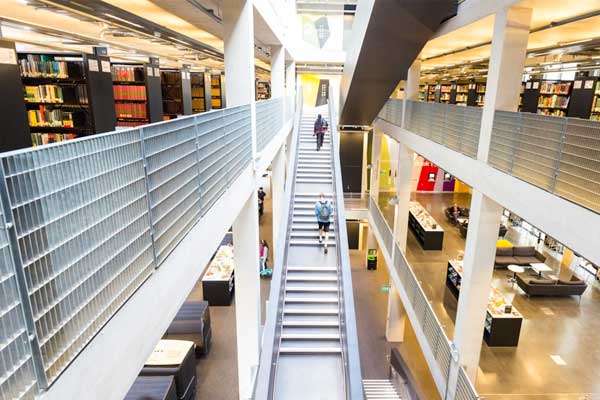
552, 326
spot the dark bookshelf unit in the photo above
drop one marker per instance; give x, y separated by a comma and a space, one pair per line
501, 328
531, 95
217, 91
444, 93
176, 93
554, 98
460, 94
66, 95
431, 93
198, 92
423, 92
429, 238
13, 117
132, 97
584, 98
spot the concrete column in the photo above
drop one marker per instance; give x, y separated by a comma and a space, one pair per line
478, 267
507, 60
406, 159
238, 37
247, 292
290, 78
395, 321
411, 86
277, 71
375, 159
277, 189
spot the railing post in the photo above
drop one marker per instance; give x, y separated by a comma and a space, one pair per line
148, 201
9, 226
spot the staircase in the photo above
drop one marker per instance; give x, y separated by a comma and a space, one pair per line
310, 341
380, 389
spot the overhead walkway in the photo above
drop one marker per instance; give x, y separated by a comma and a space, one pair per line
310, 349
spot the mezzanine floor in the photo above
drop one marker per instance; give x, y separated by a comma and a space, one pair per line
552, 326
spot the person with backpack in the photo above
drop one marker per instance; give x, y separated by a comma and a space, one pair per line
319, 130
323, 211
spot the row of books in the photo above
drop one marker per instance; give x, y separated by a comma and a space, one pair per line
596, 105
130, 124
44, 94
131, 110
35, 66
50, 117
553, 101
555, 112
38, 139
126, 92
197, 91
124, 74
171, 77
555, 88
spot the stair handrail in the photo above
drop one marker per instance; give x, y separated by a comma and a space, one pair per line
349, 337
267, 366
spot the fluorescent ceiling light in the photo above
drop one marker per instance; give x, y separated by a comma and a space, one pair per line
576, 42
123, 20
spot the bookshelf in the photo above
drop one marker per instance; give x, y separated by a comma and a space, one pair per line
217, 91
554, 98
66, 95
595, 112
444, 93
584, 98
422, 92
531, 95
198, 92
431, 90
461, 94
176, 93
263, 90
480, 94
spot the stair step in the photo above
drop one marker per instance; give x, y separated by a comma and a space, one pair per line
311, 269
306, 220
313, 194
312, 279
311, 300
307, 242
315, 181
308, 311
310, 235
310, 350
310, 323
310, 336
311, 289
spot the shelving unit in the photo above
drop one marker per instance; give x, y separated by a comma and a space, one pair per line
444, 93
176, 93
263, 90
461, 94
131, 99
554, 98
480, 93
422, 92
427, 231
501, 328
217, 91
198, 92
66, 95
595, 112
218, 281
431, 90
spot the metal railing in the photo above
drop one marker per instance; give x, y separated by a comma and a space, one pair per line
464, 388
85, 223
269, 121
392, 111
560, 155
382, 226
427, 320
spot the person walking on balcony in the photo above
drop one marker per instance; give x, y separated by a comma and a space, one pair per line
319, 130
323, 211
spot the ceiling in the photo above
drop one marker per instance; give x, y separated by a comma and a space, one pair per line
435, 53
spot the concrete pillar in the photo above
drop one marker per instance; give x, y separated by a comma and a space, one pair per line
507, 61
247, 292
375, 159
290, 78
478, 267
277, 189
406, 159
396, 316
238, 38
411, 86
277, 71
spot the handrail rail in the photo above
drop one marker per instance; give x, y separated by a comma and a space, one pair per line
351, 361
268, 366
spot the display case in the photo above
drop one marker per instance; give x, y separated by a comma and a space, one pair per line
218, 281
427, 231
502, 321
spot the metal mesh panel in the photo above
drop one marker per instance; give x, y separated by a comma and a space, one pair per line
224, 150
382, 226
269, 121
578, 177
17, 374
455, 127
81, 218
464, 388
392, 111
173, 183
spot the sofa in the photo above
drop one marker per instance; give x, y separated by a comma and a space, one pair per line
463, 212
465, 226
517, 255
532, 285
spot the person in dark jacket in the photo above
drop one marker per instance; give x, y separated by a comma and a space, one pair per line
319, 130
